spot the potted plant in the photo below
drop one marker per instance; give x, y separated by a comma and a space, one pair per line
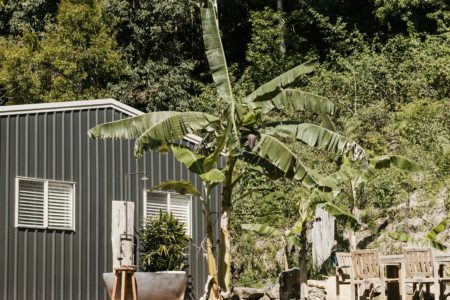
163, 242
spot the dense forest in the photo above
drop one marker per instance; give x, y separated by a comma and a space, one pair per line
384, 63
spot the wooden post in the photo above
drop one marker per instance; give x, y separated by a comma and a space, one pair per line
122, 246
322, 236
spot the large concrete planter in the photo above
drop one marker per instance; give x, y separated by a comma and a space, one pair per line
169, 285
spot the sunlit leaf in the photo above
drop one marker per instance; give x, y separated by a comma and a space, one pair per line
402, 237
130, 128
213, 176
181, 187
437, 229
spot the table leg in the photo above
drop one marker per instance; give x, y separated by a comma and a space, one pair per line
436, 286
113, 294
402, 282
124, 285
133, 286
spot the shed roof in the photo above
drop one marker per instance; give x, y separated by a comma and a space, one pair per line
78, 105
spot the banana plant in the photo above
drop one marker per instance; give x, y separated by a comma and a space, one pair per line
351, 176
240, 133
296, 236
429, 240
210, 180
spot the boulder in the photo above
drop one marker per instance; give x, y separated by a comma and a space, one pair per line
290, 284
316, 294
273, 291
249, 293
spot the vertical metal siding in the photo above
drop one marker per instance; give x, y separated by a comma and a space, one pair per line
57, 264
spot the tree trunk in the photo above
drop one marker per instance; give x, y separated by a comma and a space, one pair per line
303, 262
224, 245
210, 247
283, 44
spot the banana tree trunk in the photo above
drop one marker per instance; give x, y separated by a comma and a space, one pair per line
303, 262
225, 247
356, 212
214, 292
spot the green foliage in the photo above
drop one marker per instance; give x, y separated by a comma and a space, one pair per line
20, 16
156, 86
76, 58
163, 244
414, 15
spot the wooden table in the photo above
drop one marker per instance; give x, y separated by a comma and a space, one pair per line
395, 269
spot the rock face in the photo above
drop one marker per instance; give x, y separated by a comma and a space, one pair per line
290, 284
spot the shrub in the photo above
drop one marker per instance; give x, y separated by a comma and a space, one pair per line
163, 243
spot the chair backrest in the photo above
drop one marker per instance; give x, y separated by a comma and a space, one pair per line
344, 260
418, 262
366, 264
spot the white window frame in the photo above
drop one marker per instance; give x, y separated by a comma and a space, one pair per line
46, 182
168, 195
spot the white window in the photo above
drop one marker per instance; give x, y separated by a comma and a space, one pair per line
44, 203
178, 205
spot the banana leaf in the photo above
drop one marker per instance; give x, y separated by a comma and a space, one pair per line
295, 100
214, 51
317, 136
272, 88
130, 128
172, 129
432, 235
213, 176
402, 237
395, 161
181, 187
434, 244
193, 161
278, 154
341, 214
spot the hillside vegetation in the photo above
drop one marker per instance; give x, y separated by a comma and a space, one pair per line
384, 63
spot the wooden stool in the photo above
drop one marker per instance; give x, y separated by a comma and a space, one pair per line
124, 271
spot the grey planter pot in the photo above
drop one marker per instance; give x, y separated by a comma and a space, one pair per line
169, 285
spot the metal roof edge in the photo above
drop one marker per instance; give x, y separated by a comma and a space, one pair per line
69, 105
79, 105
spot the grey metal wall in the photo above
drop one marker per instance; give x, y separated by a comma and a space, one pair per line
55, 264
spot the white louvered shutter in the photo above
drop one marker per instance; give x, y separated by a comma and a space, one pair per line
31, 203
179, 207
155, 203
60, 199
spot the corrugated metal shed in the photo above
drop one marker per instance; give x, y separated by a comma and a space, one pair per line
50, 141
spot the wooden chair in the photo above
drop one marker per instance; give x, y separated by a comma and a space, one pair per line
367, 270
343, 268
420, 270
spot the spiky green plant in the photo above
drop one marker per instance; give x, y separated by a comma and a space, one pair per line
163, 243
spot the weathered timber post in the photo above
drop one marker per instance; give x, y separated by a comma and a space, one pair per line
122, 233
